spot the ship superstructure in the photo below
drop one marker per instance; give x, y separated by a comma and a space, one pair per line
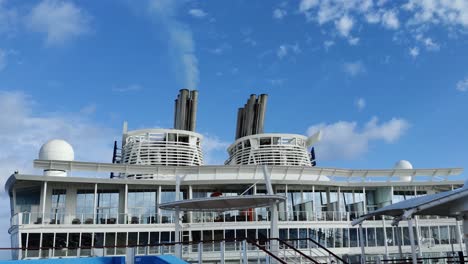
60, 214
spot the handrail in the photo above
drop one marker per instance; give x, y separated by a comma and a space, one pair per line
320, 246
295, 250
253, 242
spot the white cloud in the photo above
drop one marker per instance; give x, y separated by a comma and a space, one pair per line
197, 13
462, 85
279, 13
276, 82
390, 20
431, 45
23, 130
346, 140
417, 15
353, 41
305, 5
221, 49
354, 68
414, 52
360, 103
3, 60
180, 40
285, 49
131, 88
450, 13
59, 20
328, 43
344, 25
214, 150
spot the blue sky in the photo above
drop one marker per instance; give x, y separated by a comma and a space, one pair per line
384, 80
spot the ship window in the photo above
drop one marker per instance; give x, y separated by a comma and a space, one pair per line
172, 137
132, 238
142, 206
121, 243
337, 232
379, 234
353, 237
73, 243
370, 237
60, 244
47, 244
57, 212
265, 141
435, 234
27, 200
110, 244
345, 237
184, 138
108, 206
98, 239
262, 235
33, 245
86, 243
142, 240
390, 239
229, 235
84, 207
154, 238
453, 234
165, 237
247, 144
292, 233
240, 234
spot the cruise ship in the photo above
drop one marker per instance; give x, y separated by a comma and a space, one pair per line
84, 209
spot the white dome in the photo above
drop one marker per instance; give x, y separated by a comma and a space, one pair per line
403, 165
57, 149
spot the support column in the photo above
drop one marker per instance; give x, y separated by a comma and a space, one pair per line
44, 199
465, 232
361, 242
418, 236
411, 237
459, 235
385, 237
178, 227
95, 220
398, 239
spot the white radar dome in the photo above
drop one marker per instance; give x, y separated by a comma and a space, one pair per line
57, 149
404, 165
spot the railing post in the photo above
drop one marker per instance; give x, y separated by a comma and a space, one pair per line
200, 253
244, 252
221, 249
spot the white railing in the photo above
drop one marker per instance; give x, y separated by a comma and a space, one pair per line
27, 218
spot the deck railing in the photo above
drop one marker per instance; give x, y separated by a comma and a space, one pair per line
27, 218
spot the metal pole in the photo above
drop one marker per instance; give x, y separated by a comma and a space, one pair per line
177, 219
418, 236
222, 249
459, 236
361, 240
411, 237
200, 253
398, 239
385, 237
244, 252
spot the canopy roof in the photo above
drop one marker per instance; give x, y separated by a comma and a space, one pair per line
441, 204
223, 203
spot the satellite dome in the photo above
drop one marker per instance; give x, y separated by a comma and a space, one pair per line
57, 149
403, 165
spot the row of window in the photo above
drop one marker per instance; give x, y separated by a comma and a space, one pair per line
328, 237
